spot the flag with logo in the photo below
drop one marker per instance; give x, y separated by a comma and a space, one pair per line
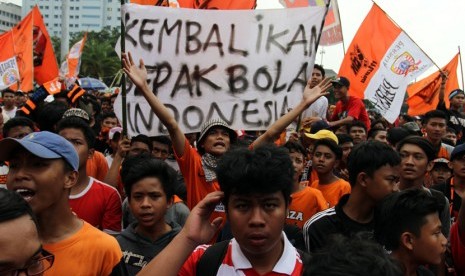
70, 67
17, 43
423, 95
45, 62
9, 72
380, 63
332, 30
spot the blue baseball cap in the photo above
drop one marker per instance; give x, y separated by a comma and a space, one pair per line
42, 144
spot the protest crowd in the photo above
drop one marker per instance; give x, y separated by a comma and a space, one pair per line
331, 186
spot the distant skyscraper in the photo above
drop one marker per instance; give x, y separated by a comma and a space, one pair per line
10, 15
84, 15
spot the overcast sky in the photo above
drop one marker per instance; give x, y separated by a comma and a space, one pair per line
438, 27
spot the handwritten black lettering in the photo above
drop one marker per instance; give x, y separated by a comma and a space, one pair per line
183, 75
214, 32
300, 33
262, 71
146, 32
237, 82
189, 114
301, 77
192, 37
272, 39
129, 26
199, 78
231, 48
168, 30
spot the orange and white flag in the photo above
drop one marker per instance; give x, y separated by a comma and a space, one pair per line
45, 62
423, 95
380, 63
18, 43
332, 30
70, 67
9, 72
218, 4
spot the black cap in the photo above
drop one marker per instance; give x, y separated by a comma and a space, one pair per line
458, 151
342, 81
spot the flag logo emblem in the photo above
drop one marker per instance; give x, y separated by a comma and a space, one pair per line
404, 64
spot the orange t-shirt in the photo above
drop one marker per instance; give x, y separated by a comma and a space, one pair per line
87, 252
333, 191
304, 204
190, 165
97, 166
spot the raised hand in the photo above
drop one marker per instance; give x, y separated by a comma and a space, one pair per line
198, 228
312, 94
137, 74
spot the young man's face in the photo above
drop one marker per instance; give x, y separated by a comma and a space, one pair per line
216, 141
257, 222
451, 136
148, 202
457, 101
340, 92
138, 148
323, 160
159, 150
41, 182
381, 136
76, 137
20, 99
440, 173
317, 77
19, 132
19, 243
414, 162
358, 134
346, 149
106, 106
435, 128
9, 99
458, 166
384, 181
298, 162
110, 122
430, 246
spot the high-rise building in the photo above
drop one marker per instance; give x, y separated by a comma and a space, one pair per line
10, 15
84, 15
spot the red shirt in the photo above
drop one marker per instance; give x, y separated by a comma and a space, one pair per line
99, 205
235, 262
355, 108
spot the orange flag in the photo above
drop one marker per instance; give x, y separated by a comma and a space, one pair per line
70, 67
20, 46
380, 63
218, 4
45, 63
423, 95
150, 2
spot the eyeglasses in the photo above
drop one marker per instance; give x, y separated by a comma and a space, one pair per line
35, 266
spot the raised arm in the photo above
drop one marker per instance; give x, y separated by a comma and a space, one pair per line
138, 76
310, 95
442, 88
197, 230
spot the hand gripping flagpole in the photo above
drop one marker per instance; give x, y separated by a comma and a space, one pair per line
123, 79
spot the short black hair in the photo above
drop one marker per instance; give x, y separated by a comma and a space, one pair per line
352, 256
379, 121
49, 114
401, 212
82, 125
264, 170
162, 139
396, 134
320, 68
331, 145
357, 123
344, 138
13, 206
137, 167
292, 146
368, 157
17, 121
434, 114
451, 129
8, 90
109, 114
143, 139
422, 143
374, 131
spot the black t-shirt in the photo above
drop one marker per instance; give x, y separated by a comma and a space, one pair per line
423, 271
319, 229
456, 119
445, 188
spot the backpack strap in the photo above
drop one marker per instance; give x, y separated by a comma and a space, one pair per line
212, 259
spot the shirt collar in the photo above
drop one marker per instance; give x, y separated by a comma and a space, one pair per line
285, 264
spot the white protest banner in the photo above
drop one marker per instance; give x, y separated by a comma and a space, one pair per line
247, 67
9, 73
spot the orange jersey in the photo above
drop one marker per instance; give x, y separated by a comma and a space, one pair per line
333, 191
97, 166
304, 204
